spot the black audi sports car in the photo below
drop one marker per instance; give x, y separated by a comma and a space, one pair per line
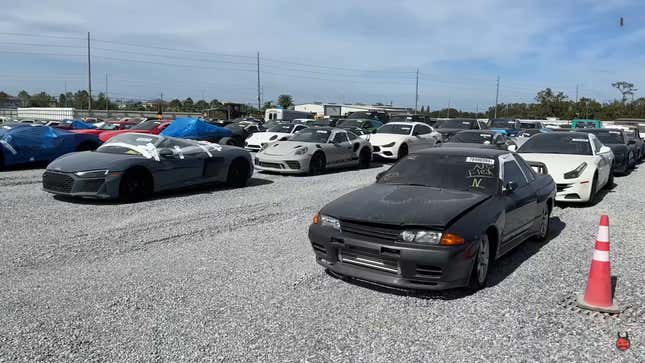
436, 219
449, 127
132, 166
489, 139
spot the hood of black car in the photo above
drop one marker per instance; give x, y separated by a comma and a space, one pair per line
92, 160
403, 205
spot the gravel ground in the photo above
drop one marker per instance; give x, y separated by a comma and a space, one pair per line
228, 275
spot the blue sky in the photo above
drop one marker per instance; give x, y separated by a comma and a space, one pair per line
336, 51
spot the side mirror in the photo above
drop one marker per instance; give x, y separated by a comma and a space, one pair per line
510, 187
604, 149
379, 175
166, 152
512, 148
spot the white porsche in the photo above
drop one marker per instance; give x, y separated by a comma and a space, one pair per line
280, 132
395, 140
578, 162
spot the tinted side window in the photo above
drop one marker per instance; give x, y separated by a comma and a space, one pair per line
513, 173
528, 171
352, 136
596, 144
422, 130
340, 137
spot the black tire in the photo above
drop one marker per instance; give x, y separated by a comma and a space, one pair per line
594, 186
483, 260
86, 146
317, 164
364, 158
543, 231
403, 152
238, 174
610, 181
134, 186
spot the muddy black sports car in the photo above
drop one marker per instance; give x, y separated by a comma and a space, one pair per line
132, 166
436, 219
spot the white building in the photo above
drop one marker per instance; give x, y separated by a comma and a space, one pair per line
342, 109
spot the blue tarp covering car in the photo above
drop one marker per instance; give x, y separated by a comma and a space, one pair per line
196, 129
76, 125
23, 145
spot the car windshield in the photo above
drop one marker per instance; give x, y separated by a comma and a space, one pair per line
312, 135
454, 124
109, 126
360, 114
284, 128
133, 144
585, 124
557, 143
610, 137
399, 129
528, 125
445, 171
472, 137
351, 123
502, 124
146, 125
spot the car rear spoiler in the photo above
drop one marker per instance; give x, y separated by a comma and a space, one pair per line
539, 168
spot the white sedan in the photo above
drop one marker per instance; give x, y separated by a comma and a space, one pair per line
280, 132
395, 140
578, 162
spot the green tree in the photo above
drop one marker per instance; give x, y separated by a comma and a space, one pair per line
81, 99
267, 104
41, 99
23, 96
285, 101
215, 103
174, 105
201, 105
626, 89
188, 105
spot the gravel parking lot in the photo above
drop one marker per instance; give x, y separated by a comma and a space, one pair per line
228, 275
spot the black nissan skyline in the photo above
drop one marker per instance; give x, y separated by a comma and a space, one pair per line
436, 219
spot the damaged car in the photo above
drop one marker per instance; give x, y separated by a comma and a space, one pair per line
131, 167
436, 219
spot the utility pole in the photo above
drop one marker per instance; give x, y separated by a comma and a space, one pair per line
476, 110
161, 104
65, 93
416, 95
496, 97
107, 101
576, 93
259, 86
89, 76
449, 100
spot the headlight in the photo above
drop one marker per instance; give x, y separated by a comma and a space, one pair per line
575, 172
389, 145
429, 237
92, 173
328, 221
301, 150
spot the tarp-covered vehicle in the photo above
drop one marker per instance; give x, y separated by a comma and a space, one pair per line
74, 125
195, 129
32, 144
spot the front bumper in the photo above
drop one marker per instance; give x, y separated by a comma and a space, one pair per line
387, 263
68, 184
385, 152
281, 164
573, 190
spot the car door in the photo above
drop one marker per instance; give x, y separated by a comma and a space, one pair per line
520, 203
424, 136
340, 151
184, 167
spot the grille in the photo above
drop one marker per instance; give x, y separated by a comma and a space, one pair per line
269, 165
89, 186
57, 182
293, 164
561, 187
368, 258
377, 149
378, 231
425, 270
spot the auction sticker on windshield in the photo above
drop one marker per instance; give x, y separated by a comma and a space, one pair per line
143, 139
580, 140
473, 159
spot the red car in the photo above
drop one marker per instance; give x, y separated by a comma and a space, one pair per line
107, 126
146, 127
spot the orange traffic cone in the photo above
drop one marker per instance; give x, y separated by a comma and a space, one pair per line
598, 296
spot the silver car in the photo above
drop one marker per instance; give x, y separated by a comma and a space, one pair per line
313, 150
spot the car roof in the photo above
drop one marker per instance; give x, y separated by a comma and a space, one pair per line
409, 123
465, 151
484, 131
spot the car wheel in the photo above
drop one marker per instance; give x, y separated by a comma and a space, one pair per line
403, 151
238, 174
317, 164
610, 181
479, 275
543, 232
364, 158
133, 187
